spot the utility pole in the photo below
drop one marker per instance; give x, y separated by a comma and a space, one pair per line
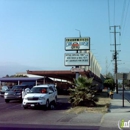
115, 54
77, 73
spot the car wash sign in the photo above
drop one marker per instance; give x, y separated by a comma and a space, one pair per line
77, 59
77, 43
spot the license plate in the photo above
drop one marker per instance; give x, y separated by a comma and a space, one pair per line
32, 105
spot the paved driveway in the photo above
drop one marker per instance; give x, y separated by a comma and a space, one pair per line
13, 114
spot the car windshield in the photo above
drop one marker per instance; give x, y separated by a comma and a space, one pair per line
18, 88
38, 90
29, 84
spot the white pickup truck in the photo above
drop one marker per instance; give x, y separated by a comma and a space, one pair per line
41, 95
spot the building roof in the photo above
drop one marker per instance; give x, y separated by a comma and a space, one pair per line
59, 74
63, 74
15, 79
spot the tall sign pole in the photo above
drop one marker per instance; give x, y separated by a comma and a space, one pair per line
123, 92
123, 76
77, 73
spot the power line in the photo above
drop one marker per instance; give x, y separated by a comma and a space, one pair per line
123, 11
108, 5
107, 65
114, 13
125, 17
108, 12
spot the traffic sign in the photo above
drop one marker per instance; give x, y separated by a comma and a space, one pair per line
123, 76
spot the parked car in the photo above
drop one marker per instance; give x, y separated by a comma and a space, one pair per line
41, 95
15, 93
3, 90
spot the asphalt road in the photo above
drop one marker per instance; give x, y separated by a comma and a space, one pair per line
126, 95
14, 117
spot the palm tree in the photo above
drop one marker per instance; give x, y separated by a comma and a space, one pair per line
83, 94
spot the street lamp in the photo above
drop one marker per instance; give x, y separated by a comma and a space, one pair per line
79, 32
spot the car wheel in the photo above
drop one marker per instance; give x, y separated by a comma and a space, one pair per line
21, 100
52, 106
47, 104
56, 98
7, 100
25, 107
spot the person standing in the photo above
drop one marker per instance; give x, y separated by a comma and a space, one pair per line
111, 94
24, 92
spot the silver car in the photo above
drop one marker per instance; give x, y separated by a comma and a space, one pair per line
15, 93
3, 90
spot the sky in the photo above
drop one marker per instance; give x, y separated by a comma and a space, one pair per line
32, 32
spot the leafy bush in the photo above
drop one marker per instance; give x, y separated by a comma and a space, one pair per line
82, 93
109, 83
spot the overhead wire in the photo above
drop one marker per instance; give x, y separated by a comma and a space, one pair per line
123, 11
109, 19
122, 18
114, 14
109, 22
108, 12
125, 18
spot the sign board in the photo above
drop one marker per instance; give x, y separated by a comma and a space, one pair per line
119, 76
77, 43
77, 59
77, 70
122, 76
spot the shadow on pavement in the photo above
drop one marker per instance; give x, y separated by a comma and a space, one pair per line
102, 94
115, 107
62, 106
46, 127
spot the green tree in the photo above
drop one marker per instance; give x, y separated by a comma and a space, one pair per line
7, 75
83, 94
126, 83
109, 76
109, 81
119, 85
